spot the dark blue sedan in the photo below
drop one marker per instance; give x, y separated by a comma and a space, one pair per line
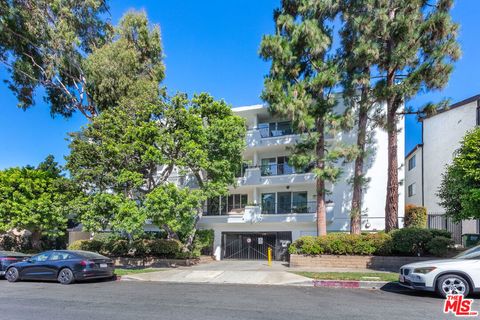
10, 257
64, 266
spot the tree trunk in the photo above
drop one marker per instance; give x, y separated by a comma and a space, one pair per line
391, 204
358, 179
36, 240
191, 237
320, 153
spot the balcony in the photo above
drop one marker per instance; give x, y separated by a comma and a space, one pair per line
267, 208
263, 138
274, 174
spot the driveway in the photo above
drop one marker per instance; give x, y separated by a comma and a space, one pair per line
152, 300
232, 272
235, 272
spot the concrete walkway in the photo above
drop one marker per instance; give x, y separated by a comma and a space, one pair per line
235, 272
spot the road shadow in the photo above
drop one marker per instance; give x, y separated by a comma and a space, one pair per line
394, 287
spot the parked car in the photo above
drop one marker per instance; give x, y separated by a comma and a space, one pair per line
9, 257
64, 266
459, 275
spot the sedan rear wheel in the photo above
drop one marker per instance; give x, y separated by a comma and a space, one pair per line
12, 275
65, 276
452, 284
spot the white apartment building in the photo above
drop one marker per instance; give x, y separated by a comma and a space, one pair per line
274, 204
441, 137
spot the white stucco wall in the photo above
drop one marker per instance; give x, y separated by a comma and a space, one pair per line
442, 134
414, 176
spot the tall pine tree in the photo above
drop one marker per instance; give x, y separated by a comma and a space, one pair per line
358, 54
302, 75
417, 46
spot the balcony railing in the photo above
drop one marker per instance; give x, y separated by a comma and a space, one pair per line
279, 169
268, 208
267, 132
289, 207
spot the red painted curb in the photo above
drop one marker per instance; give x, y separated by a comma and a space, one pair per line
336, 283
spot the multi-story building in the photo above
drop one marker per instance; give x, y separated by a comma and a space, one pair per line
441, 137
274, 204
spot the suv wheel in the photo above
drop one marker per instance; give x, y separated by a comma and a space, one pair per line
452, 284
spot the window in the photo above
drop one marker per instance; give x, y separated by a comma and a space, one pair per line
412, 190
57, 256
275, 129
284, 202
268, 203
223, 205
276, 166
412, 162
41, 257
299, 202
237, 201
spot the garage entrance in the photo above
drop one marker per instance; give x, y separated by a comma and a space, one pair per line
254, 246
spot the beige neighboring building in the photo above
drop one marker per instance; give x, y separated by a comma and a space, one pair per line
425, 164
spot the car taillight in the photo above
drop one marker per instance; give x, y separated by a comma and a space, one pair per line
8, 259
85, 263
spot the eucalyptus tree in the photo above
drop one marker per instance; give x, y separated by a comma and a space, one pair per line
69, 50
303, 73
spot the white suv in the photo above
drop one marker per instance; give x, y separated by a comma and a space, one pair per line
459, 275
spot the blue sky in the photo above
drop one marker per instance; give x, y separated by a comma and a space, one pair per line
210, 46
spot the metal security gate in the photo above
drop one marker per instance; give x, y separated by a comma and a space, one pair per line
254, 246
442, 222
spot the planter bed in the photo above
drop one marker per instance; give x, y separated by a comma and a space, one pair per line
391, 263
126, 262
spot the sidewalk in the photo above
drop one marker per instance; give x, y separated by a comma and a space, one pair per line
236, 272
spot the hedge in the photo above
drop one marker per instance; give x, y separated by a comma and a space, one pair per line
159, 248
407, 241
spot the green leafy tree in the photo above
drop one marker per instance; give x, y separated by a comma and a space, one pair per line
417, 44
69, 50
125, 158
299, 85
36, 200
459, 191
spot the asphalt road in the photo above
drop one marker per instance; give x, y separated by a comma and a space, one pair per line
147, 300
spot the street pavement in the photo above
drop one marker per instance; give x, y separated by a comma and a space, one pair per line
155, 300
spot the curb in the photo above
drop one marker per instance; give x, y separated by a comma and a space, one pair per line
349, 284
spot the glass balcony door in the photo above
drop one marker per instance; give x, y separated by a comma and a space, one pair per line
284, 202
268, 203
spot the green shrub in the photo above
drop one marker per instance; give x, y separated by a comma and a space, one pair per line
410, 241
438, 246
203, 242
165, 248
140, 248
87, 245
306, 245
415, 217
441, 233
342, 244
